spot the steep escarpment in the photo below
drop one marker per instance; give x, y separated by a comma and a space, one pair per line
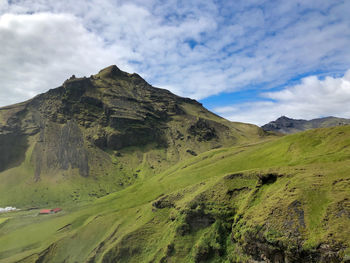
60, 147
111, 127
13, 137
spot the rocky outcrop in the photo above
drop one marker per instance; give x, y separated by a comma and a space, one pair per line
262, 250
203, 130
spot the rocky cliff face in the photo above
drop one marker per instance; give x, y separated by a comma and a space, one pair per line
287, 125
60, 147
82, 126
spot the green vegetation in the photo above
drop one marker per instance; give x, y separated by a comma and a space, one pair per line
94, 136
288, 194
143, 175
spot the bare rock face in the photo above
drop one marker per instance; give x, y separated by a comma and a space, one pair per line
13, 148
263, 250
60, 147
202, 130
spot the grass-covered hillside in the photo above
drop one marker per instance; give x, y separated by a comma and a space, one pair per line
283, 199
94, 136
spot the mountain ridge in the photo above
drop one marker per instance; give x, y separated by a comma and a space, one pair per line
287, 125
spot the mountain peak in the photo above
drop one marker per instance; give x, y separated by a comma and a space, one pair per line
283, 118
111, 71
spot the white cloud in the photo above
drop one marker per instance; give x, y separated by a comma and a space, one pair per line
312, 98
40, 51
237, 45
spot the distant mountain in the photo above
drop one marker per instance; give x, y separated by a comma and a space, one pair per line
287, 125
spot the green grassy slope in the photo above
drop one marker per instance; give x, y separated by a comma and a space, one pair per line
110, 170
283, 199
97, 135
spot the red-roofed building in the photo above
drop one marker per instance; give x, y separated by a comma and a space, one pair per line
45, 211
56, 210
50, 211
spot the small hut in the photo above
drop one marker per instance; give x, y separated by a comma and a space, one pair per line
45, 211
50, 211
56, 210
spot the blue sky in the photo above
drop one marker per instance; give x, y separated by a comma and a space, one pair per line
249, 61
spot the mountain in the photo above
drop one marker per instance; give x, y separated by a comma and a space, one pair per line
142, 175
93, 136
287, 126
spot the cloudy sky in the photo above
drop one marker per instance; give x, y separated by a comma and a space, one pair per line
249, 61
